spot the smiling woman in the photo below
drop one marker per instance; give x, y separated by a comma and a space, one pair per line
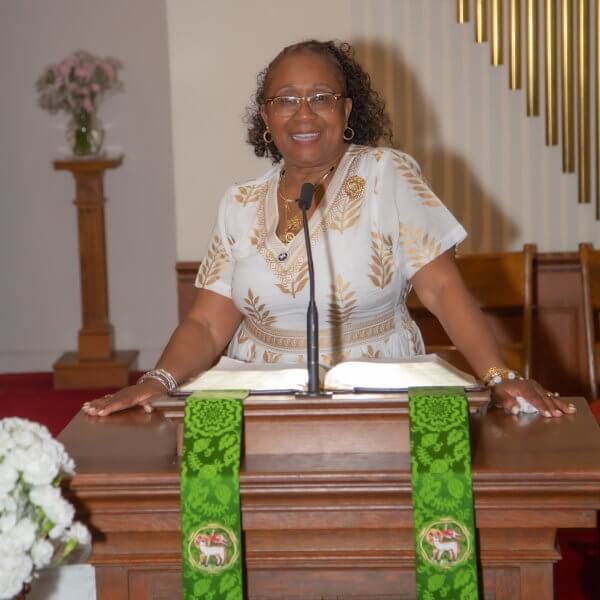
368, 121
375, 228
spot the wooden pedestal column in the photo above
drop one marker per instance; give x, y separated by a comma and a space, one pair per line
95, 364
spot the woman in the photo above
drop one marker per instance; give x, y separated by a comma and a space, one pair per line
376, 230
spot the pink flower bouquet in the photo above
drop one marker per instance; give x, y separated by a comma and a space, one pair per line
77, 83
76, 86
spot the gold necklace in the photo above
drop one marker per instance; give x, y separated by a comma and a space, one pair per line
293, 223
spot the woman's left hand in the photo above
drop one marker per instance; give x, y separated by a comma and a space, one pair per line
504, 395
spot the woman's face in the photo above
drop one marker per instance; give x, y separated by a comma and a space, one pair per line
307, 138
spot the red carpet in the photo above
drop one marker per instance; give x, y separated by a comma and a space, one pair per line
30, 395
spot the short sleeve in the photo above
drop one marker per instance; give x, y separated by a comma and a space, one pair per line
216, 268
425, 227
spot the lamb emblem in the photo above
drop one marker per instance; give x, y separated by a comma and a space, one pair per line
212, 548
445, 543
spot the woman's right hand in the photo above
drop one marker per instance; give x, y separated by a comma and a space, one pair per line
141, 394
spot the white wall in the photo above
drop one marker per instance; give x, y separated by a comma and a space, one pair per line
39, 269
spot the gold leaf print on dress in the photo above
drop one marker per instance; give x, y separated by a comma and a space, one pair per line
349, 210
334, 358
296, 284
414, 338
414, 177
407, 167
213, 264
254, 237
371, 352
356, 150
382, 260
432, 203
335, 337
249, 194
257, 311
342, 303
251, 356
419, 247
271, 357
242, 338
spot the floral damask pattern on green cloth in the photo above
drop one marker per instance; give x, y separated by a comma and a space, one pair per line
210, 496
442, 494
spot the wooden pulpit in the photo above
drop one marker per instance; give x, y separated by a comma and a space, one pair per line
326, 497
95, 364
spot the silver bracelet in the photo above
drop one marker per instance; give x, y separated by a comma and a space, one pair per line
163, 377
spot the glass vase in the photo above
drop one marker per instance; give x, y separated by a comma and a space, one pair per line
85, 134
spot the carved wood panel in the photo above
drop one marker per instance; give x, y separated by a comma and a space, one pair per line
154, 584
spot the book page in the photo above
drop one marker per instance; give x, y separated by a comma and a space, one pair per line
416, 371
400, 374
232, 374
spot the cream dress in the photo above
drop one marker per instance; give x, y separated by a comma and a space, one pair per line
377, 225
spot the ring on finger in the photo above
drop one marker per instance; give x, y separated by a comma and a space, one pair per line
108, 395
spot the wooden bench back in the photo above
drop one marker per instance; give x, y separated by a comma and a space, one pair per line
503, 285
590, 279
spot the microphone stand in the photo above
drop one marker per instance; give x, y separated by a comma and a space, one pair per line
312, 317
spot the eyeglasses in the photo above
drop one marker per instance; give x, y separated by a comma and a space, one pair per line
320, 103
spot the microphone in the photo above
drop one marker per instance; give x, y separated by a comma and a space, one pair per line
312, 317
306, 195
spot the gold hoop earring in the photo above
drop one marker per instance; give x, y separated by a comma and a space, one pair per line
349, 136
267, 136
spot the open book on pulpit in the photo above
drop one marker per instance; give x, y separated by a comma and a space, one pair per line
368, 375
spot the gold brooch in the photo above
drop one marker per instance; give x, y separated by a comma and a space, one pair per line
354, 186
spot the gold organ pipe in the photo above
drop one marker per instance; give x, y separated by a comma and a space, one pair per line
533, 79
567, 86
550, 68
574, 37
480, 21
597, 95
583, 102
462, 11
514, 44
497, 33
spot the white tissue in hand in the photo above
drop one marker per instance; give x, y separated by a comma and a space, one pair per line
525, 406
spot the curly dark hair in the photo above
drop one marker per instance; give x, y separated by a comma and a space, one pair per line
368, 118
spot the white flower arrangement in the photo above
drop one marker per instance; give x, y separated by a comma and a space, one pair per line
36, 522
